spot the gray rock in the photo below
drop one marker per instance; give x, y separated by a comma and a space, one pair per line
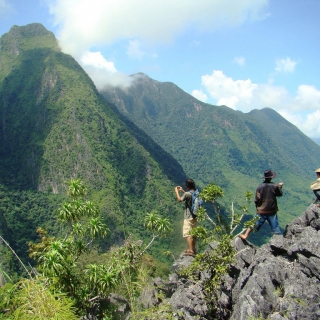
280, 280
182, 262
244, 253
190, 298
148, 298
277, 316
122, 311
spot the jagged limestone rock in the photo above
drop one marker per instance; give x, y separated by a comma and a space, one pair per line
279, 280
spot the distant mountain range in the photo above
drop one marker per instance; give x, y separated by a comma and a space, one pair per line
131, 147
216, 143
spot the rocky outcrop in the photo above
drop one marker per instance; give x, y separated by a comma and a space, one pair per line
118, 304
279, 280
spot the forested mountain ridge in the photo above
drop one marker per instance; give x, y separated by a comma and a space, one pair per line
54, 126
294, 145
216, 143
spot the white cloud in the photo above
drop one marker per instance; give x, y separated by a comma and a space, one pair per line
227, 91
134, 50
86, 24
198, 94
241, 61
309, 124
270, 96
303, 110
103, 72
308, 98
285, 65
96, 59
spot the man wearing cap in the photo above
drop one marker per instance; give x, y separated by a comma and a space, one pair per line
315, 186
266, 204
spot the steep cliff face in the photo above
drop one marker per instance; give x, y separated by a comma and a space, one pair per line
279, 280
54, 126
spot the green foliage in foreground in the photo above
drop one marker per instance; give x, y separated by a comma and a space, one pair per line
68, 273
31, 299
79, 280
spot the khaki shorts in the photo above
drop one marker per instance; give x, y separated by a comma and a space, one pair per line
188, 224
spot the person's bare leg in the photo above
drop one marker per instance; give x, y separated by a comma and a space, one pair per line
194, 245
191, 246
190, 243
245, 236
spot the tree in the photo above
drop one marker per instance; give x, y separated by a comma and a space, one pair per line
88, 284
157, 225
58, 258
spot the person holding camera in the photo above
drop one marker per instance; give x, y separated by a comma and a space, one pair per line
190, 221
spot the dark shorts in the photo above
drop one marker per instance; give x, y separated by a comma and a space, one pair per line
272, 220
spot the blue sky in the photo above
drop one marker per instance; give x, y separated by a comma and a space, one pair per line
246, 54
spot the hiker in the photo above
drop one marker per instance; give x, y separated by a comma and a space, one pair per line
315, 186
190, 221
266, 204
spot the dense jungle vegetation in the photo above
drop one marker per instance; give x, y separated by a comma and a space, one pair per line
71, 278
55, 126
129, 149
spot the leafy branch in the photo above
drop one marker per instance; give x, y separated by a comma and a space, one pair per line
157, 225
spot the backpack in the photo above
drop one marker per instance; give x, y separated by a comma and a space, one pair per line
196, 202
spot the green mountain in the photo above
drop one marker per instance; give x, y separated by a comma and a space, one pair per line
54, 126
297, 149
130, 147
216, 143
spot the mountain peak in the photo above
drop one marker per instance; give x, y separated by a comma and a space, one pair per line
28, 37
30, 30
140, 75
